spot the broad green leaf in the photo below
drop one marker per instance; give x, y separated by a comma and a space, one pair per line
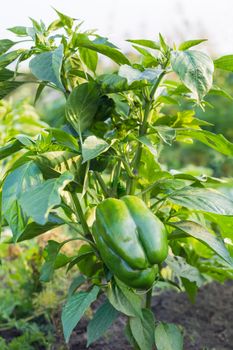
168, 337
224, 62
33, 229
147, 142
195, 69
81, 256
199, 232
190, 43
102, 320
19, 181
148, 167
215, 90
92, 147
82, 105
66, 20
181, 268
6, 87
146, 43
166, 134
81, 40
142, 329
9, 57
148, 59
130, 337
224, 223
39, 91
203, 199
89, 57
65, 139
132, 74
47, 66
215, 141
52, 256
124, 300
75, 284
74, 309
190, 288
54, 163
6, 74
113, 83
10, 148
5, 45
38, 202
19, 30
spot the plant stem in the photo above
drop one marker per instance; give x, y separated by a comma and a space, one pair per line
80, 213
142, 131
102, 184
116, 178
148, 298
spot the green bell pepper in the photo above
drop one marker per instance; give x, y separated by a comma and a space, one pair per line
131, 240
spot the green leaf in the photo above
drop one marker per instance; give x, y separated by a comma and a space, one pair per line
74, 309
124, 300
182, 269
148, 167
203, 199
132, 74
6, 87
82, 105
6, 74
81, 40
5, 45
215, 90
190, 43
66, 20
19, 30
10, 148
75, 284
38, 202
215, 141
142, 329
20, 180
224, 62
51, 258
199, 232
54, 163
33, 229
195, 69
102, 320
146, 43
148, 59
147, 142
47, 66
168, 337
92, 147
65, 139
89, 57
39, 91
190, 288
113, 83
9, 57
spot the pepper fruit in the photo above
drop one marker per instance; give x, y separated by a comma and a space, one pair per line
131, 240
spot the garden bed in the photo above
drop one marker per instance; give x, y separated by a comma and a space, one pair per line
207, 324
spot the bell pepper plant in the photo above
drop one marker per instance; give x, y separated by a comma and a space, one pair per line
97, 170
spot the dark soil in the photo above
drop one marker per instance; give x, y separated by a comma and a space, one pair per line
207, 325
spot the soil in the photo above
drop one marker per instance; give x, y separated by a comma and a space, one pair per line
207, 324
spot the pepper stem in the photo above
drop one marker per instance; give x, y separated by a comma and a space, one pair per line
148, 299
